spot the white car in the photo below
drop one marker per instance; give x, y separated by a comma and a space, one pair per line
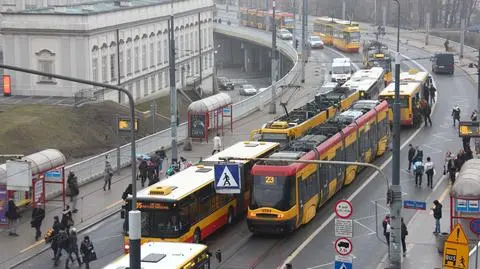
316, 42
248, 89
284, 34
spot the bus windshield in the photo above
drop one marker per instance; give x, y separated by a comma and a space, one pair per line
354, 37
274, 137
274, 192
162, 223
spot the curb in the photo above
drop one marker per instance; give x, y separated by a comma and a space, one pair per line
88, 226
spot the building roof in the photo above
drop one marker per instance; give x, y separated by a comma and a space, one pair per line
94, 7
210, 103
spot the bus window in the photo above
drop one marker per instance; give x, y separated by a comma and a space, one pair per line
276, 192
162, 223
404, 102
354, 37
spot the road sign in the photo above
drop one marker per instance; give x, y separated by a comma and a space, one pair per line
343, 209
343, 246
344, 227
418, 205
227, 178
470, 206
475, 226
343, 265
54, 175
456, 251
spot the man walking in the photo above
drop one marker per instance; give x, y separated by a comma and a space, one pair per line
217, 144
12, 216
108, 175
404, 233
433, 92
72, 248
161, 155
38, 214
426, 111
411, 155
418, 169
456, 114
429, 171
72, 183
386, 229
437, 215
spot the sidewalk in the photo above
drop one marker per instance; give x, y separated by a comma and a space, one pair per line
94, 204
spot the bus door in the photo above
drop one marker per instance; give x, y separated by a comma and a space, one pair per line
245, 189
322, 175
300, 195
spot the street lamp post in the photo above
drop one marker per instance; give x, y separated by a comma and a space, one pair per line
396, 192
134, 215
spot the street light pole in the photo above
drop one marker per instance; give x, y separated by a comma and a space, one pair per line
134, 215
173, 88
273, 104
396, 191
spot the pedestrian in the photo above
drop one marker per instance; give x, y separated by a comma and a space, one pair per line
125, 206
217, 143
38, 214
437, 215
151, 166
184, 163
411, 155
446, 44
456, 114
108, 176
87, 251
433, 93
161, 156
12, 216
418, 169
418, 154
386, 229
126, 192
72, 248
450, 167
67, 219
466, 143
51, 236
73, 190
143, 171
426, 92
429, 171
61, 239
426, 111
473, 117
404, 233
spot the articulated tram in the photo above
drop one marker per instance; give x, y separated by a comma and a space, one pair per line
287, 195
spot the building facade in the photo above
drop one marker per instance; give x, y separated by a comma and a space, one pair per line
123, 43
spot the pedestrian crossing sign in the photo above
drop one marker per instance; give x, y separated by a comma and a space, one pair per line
228, 178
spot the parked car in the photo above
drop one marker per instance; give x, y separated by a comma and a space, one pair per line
316, 42
248, 89
443, 62
224, 84
284, 34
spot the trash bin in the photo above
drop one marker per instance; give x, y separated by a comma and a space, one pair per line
441, 238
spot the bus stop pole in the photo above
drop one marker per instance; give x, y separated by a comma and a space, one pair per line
134, 215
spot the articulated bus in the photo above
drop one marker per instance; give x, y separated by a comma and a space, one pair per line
168, 255
185, 206
286, 195
296, 123
261, 19
376, 54
369, 82
244, 16
341, 34
252, 18
412, 84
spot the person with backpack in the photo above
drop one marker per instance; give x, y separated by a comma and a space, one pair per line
429, 171
72, 183
411, 155
142, 167
456, 114
87, 251
418, 154
418, 168
61, 241
72, 248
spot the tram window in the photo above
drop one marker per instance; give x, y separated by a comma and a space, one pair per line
350, 152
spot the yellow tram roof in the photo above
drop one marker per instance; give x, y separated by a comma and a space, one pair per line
245, 149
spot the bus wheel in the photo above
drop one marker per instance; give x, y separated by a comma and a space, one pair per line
197, 236
230, 216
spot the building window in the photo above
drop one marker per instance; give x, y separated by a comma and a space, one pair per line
129, 62
46, 63
122, 68
182, 46
167, 79
144, 57
104, 68
177, 74
159, 52
145, 86
160, 85
152, 82
195, 41
95, 69
137, 59
137, 89
165, 51
113, 63
152, 55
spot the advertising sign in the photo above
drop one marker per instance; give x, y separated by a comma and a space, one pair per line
197, 125
3, 205
38, 191
468, 206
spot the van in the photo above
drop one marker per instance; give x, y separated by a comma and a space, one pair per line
341, 70
443, 62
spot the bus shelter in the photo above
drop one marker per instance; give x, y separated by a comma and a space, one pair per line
26, 179
209, 113
465, 199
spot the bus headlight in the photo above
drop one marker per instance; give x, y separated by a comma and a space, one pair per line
252, 214
280, 216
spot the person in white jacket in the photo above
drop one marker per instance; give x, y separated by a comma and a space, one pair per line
429, 171
217, 143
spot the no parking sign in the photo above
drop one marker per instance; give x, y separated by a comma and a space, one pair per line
475, 226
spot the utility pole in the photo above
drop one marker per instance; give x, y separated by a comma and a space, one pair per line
173, 88
344, 9
396, 190
153, 112
273, 104
119, 100
462, 28
304, 38
199, 46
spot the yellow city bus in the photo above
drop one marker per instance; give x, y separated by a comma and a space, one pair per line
376, 54
323, 28
346, 36
296, 123
412, 84
252, 17
244, 16
186, 208
168, 255
261, 14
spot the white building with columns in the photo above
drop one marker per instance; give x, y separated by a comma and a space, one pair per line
116, 42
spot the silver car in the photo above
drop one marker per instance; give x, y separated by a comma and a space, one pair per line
284, 34
248, 89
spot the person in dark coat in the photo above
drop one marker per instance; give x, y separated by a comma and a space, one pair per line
61, 239
437, 215
67, 219
426, 110
72, 248
433, 92
151, 172
418, 155
56, 227
411, 155
12, 216
72, 183
125, 207
161, 155
87, 250
38, 214
143, 171
386, 229
404, 233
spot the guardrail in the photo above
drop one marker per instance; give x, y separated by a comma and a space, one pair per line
93, 168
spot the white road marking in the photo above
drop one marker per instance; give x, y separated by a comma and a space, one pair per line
364, 226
